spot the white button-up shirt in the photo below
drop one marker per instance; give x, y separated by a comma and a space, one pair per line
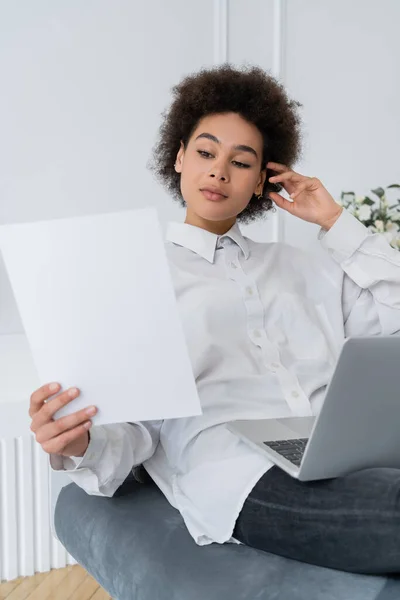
264, 325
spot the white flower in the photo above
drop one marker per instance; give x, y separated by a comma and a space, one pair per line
379, 225
364, 212
359, 199
390, 226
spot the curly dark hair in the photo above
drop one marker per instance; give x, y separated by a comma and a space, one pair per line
249, 91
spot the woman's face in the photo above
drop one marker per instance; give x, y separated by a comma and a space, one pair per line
223, 152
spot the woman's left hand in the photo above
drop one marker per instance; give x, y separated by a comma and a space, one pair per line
311, 200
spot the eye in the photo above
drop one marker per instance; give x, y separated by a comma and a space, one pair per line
240, 164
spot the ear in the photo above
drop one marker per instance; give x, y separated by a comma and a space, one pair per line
179, 158
261, 180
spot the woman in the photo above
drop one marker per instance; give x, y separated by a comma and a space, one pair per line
264, 324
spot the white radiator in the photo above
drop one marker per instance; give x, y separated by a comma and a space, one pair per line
26, 504
27, 544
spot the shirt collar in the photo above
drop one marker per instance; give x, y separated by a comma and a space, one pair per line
201, 241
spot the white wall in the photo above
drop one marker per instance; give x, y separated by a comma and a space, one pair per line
342, 62
84, 83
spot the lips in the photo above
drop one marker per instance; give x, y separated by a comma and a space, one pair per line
212, 195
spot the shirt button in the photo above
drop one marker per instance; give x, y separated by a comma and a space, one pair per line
249, 291
295, 394
275, 365
257, 333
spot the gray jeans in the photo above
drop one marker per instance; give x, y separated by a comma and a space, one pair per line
350, 523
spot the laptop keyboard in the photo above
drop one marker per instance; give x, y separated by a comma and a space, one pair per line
292, 450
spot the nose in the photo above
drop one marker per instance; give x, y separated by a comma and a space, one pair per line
218, 172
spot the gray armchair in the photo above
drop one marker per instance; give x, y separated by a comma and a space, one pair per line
136, 546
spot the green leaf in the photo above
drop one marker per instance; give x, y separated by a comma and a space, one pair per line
379, 192
368, 201
347, 194
394, 185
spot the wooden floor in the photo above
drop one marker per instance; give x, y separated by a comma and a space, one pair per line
70, 583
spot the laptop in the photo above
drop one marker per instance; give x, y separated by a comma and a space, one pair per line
358, 426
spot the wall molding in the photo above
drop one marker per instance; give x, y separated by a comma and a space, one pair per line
221, 55
278, 67
220, 31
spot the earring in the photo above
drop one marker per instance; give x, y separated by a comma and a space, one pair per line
260, 196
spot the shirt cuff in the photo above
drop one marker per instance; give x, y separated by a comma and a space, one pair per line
98, 441
344, 237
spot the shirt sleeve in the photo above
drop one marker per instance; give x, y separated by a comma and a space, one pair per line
371, 282
112, 452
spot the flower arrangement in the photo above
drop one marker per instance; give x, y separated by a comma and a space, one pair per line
376, 214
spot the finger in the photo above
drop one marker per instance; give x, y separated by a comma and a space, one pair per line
288, 180
287, 176
57, 444
278, 167
300, 188
281, 202
39, 397
45, 414
64, 424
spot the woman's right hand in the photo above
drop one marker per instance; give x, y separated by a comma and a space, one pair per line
66, 436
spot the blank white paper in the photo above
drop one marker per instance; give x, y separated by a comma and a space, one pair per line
97, 303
